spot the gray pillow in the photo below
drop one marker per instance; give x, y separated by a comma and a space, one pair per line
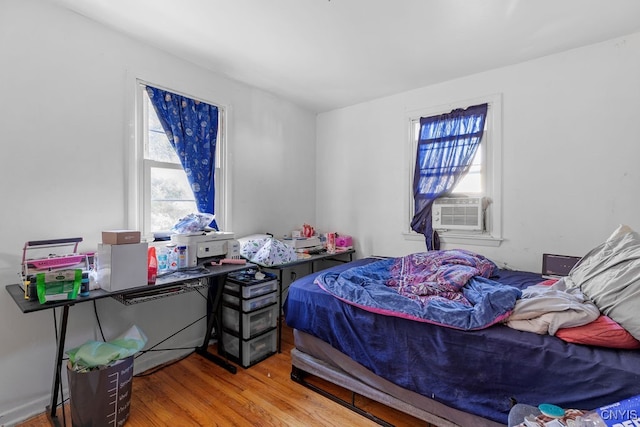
609, 275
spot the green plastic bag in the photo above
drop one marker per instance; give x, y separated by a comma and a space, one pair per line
94, 354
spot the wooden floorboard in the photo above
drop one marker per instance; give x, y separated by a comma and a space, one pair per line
196, 392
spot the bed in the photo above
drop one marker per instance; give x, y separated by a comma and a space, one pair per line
452, 376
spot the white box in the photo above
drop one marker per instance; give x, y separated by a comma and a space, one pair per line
121, 266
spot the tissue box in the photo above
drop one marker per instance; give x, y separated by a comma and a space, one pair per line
343, 241
120, 237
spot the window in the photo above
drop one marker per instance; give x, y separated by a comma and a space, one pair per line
164, 192
472, 183
169, 193
483, 178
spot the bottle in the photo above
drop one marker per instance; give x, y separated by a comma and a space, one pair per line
331, 243
84, 286
152, 266
590, 419
163, 260
182, 257
173, 256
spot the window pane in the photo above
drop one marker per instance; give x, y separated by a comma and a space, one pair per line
171, 198
472, 182
159, 147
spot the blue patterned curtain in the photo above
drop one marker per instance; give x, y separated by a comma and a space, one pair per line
192, 129
446, 146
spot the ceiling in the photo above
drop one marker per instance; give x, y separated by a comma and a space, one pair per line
328, 54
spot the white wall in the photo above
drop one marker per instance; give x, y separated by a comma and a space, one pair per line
66, 88
570, 156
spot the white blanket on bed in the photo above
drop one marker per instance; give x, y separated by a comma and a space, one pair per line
545, 309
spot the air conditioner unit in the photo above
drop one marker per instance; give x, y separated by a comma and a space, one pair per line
457, 213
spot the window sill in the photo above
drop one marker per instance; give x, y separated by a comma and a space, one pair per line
484, 239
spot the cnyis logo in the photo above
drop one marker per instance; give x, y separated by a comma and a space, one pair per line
620, 417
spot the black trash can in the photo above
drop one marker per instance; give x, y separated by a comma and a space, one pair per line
101, 397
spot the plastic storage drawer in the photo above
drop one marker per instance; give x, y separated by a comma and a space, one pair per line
253, 351
252, 303
251, 291
252, 323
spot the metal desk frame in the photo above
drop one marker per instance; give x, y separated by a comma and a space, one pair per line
216, 276
312, 259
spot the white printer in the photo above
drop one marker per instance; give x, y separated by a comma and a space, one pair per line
207, 244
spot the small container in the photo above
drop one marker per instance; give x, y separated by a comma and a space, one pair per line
182, 257
84, 285
163, 260
331, 243
172, 256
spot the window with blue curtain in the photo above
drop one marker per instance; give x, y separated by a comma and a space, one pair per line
447, 144
192, 129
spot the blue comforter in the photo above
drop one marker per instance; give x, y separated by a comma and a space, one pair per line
448, 288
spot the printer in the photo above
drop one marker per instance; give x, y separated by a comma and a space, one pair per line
207, 244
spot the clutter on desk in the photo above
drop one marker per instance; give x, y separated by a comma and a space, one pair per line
152, 266
344, 242
300, 244
266, 251
307, 230
191, 249
52, 269
121, 267
228, 261
193, 223
120, 237
331, 243
58, 285
306, 241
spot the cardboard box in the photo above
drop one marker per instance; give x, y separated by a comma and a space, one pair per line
120, 237
121, 266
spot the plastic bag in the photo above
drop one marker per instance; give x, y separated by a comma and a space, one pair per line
193, 223
267, 252
95, 353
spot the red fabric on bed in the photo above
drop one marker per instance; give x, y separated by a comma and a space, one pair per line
602, 332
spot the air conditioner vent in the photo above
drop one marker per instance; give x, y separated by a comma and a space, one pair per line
457, 213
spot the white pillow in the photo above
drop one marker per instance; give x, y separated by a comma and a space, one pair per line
619, 232
609, 275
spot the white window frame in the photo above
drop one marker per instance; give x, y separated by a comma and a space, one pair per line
139, 172
491, 173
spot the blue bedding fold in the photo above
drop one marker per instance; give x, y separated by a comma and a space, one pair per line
448, 288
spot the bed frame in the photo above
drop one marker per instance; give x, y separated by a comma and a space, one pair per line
312, 356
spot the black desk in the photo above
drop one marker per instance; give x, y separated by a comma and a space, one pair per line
215, 275
338, 256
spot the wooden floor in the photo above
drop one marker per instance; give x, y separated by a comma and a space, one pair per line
196, 392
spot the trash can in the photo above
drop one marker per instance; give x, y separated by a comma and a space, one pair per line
101, 397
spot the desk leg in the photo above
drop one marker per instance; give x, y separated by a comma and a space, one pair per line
58, 367
214, 319
279, 320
